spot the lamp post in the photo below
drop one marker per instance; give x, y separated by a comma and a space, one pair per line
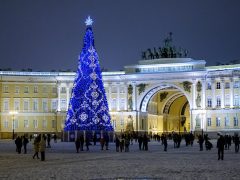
13, 113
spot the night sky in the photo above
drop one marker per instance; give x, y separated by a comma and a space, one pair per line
47, 35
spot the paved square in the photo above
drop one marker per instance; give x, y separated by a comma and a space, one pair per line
62, 162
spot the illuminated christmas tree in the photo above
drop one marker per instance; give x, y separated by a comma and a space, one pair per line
88, 108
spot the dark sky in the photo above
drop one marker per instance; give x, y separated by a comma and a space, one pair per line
48, 34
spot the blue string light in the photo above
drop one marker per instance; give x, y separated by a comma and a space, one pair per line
88, 108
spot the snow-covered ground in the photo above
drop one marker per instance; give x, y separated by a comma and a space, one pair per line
62, 162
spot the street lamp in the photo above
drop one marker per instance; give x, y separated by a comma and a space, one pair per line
13, 123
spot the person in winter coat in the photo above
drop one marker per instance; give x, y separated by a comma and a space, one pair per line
220, 146
25, 142
236, 142
18, 143
77, 144
42, 147
36, 146
117, 141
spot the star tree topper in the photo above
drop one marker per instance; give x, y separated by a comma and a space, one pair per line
89, 21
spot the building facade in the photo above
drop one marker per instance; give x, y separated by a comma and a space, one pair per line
154, 96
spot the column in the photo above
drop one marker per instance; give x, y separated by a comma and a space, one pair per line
222, 94
213, 86
231, 93
59, 96
194, 94
134, 97
67, 89
110, 97
203, 93
126, 97
118, 97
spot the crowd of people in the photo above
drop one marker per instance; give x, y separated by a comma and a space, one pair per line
124, 140
39, 144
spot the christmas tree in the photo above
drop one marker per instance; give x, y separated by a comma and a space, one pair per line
88, 108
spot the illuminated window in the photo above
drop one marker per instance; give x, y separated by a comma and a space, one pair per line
236, 84
209, 102
17, 104
5, 89
26, 89
44, 123
218, 121
114, 103
227, 85
218, 101
227, 121
122, 103
236, 100
53, 124
235, 121
122, 90
114, 89
44, 105
227, 100
54, 104
209, 86
17, 89
25, 105
35, 104
35, 89
63, 90
15, 124
5, 124
6, 105
209, 121
35, 123
26, 123
63, 104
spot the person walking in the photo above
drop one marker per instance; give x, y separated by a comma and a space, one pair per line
200, 141
55, 138
121, 142
25, 142
117, 141
36, 146
18, 143
81, 142
48, 140
42, 147
236, 142
220, 146
106, 138
77, 144
140, 140
165, 143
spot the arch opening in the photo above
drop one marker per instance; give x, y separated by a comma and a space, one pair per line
165, 110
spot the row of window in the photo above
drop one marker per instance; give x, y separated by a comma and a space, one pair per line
165, 69
114, 89
121, 104
45, 89
26, 89
35, 104
236, 100
226, 121
26, 123
45, 104
236, 84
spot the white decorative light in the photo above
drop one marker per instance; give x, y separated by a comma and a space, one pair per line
89, 21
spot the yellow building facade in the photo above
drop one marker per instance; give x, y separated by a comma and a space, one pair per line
154, 96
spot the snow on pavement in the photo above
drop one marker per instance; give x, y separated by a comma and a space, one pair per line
62, 162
